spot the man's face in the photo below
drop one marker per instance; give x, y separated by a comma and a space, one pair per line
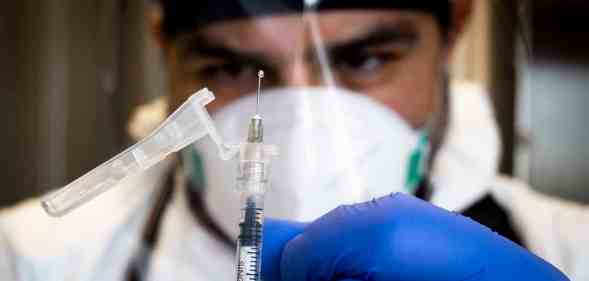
392, 56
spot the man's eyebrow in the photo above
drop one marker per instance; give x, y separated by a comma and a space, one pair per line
200, 47
376, 37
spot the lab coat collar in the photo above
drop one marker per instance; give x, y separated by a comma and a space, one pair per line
467, 162
185, 247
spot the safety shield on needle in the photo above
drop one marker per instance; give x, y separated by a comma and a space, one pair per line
189, 123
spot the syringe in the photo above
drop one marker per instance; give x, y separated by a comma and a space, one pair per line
252, 183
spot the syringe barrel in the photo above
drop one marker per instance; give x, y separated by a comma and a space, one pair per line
249, 241
251, 220
252, 183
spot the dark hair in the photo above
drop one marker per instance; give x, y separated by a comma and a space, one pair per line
185, 15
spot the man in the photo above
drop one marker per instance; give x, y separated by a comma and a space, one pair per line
359, 102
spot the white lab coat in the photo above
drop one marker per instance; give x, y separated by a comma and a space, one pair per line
97, 241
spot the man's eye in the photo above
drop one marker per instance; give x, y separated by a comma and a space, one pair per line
231, 71
363, 62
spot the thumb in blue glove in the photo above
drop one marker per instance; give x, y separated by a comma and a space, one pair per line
396, 237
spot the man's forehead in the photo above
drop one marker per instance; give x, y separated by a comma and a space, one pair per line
184, 15
280, 36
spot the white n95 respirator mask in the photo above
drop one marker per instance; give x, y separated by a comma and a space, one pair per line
336, 147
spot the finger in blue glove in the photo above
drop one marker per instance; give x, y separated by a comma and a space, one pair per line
397, 237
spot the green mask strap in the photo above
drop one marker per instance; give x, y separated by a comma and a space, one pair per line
417, 164
193, 166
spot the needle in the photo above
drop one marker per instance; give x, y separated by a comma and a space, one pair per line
260, 76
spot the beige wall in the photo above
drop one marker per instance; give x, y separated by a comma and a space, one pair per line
472, 57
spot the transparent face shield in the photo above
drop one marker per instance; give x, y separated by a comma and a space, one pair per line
348, 97
334, 82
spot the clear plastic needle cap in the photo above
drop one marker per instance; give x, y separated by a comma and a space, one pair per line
187, 124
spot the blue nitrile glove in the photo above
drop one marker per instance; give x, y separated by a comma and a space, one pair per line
395, 238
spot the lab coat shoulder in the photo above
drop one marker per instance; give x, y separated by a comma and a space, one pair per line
36, 246
553, 228
7, 258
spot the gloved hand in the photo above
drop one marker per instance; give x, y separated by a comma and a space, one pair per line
397, 237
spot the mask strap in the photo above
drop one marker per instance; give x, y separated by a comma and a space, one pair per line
193, 167
417, 164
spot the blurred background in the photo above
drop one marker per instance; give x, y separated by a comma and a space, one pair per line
71, 73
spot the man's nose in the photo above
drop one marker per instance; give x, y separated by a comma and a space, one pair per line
300, 74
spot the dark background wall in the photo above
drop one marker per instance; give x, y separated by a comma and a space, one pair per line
71, 72
8, 98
